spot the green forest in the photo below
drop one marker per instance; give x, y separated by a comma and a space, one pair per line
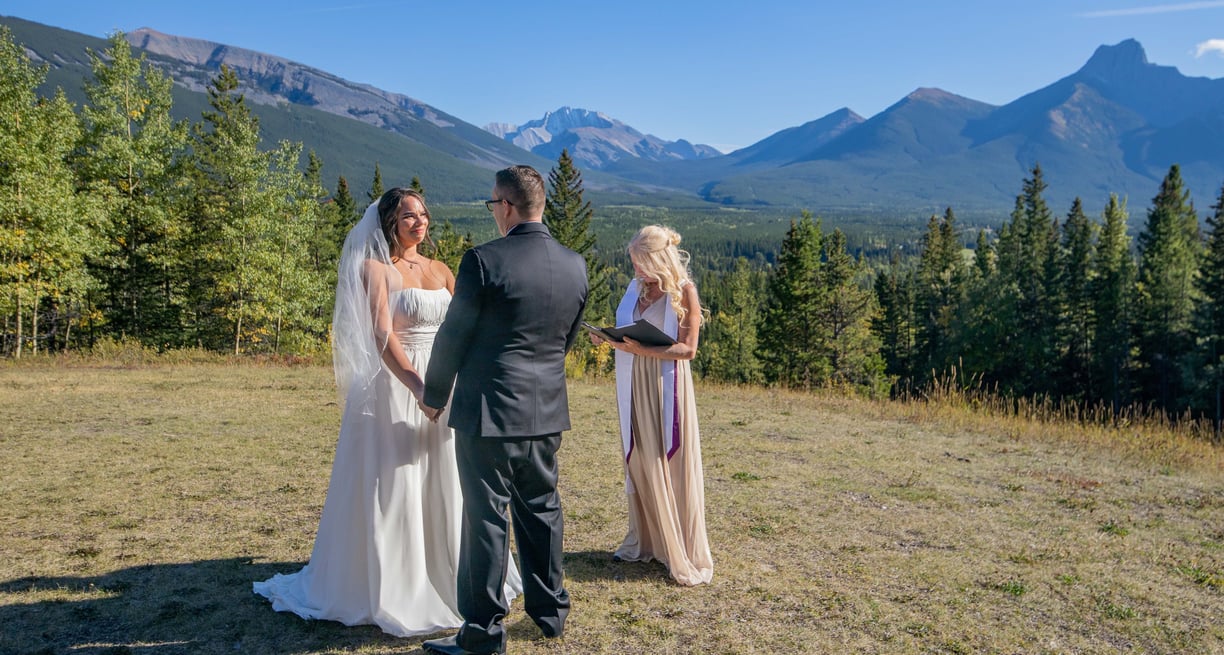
120, 224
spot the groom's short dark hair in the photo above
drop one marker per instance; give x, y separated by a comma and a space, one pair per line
523, 187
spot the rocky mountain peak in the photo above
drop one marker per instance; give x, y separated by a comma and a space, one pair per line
594, 139
1114, 61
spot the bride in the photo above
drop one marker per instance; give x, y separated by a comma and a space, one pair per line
387, 548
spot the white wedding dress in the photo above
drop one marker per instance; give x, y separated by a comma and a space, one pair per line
387, 549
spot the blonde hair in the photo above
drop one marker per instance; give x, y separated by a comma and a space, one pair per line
655, 251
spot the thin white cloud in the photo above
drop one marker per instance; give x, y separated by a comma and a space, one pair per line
1210, 45
1154, 9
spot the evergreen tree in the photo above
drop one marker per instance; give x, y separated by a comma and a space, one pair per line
327, 235
979, 324
1169, 248
1210, 318
449, 245
415, 185
1112, 287
894, 326
1075, 304
938, 296
845, 314
793, 351
130, 161
729, 341
1026, 312
568, 217
376, 186
347, 213
227, 247
983, 258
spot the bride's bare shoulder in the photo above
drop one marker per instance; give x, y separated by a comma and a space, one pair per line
375, 271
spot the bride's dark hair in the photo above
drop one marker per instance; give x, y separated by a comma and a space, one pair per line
388, 204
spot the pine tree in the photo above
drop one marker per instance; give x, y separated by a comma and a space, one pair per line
228, 245
983, 257
729, 343
1075, 304
792, 350
347, 213
130, 160
980, 324
449, 245
846, 313
376, 186
1169, 248
1209, 324
569, 217
938, 296
1112, 288
1027, 313
894, 325
415, 185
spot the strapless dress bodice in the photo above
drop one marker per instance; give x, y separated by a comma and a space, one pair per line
417, 313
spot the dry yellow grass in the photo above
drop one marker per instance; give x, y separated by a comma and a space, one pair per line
141, 502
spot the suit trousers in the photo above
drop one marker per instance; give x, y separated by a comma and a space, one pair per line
521, 474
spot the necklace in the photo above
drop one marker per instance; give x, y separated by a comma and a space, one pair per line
407, 261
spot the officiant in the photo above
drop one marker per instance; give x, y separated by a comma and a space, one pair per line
664, 483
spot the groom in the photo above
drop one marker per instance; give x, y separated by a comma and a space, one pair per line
516, 311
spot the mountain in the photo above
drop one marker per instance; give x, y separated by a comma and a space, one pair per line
792, 144
1115, 125
594, 140
271, 80
347, 146
275, 81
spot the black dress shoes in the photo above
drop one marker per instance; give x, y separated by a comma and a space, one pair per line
448, 646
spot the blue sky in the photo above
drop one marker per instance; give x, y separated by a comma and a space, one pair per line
717, 72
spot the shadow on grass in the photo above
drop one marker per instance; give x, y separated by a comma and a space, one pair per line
589, 565
208, 607
160, 609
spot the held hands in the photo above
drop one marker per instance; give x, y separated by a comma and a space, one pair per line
431, 413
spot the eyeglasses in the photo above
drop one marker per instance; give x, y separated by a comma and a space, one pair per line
490, 204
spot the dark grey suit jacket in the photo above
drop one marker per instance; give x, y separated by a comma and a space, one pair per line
516, 311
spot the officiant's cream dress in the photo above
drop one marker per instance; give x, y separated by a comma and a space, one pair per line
387, 548
664, 483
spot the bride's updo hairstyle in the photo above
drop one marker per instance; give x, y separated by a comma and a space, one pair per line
388, 208
655, 250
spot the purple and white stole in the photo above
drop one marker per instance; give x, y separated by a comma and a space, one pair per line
624, 377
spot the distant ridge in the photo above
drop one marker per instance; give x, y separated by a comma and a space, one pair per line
594, 139
1113, 126
274, 79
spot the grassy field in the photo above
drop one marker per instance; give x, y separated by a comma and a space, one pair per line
140, 502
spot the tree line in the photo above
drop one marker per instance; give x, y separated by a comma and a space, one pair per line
118, 222
1063, 308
